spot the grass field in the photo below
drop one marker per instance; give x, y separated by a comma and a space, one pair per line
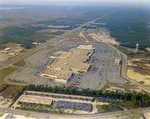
4, 72
20, 63
12, 89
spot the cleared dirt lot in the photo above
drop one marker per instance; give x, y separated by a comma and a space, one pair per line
144, 79
138, 69
84, 36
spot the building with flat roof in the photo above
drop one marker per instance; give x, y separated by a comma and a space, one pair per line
57, 95
19, 50
59, 75
88, 47
73, 105
101, 99
68, 63
60, 54
35, 100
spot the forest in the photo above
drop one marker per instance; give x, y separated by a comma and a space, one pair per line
20, 26
129, 26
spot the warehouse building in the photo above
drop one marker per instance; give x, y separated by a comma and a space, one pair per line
35, 100
57, 95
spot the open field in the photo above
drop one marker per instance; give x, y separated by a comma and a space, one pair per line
4, 72
123, 89
11, 89
141, 78
20, 63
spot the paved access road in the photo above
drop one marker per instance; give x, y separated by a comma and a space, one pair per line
124, 71
109, 115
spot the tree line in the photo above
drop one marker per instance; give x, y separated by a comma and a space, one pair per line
136, 99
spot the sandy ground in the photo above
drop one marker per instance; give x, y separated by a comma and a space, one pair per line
103, 36
129, 63
147, 115
83, 36
147, 65
138, 77
148, 49
5, 104
3, 57
123, 89
16, 116
135, 75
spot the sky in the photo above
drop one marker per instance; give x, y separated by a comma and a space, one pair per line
78, 2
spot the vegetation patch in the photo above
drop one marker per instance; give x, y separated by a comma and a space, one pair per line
11, 90
129, 27
3, 87
131, 115
4, 72
20, 63
1, 115
111, 107
15, 81
40, 108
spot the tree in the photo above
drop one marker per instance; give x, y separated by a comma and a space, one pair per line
47, 117
133, 100
13, 95
145, 99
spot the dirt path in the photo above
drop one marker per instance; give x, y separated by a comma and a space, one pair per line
95, 37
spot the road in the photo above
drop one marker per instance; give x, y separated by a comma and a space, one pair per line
39, 115
124, 71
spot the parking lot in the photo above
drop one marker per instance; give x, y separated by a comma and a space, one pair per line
101, 70
101, 61
35, 64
